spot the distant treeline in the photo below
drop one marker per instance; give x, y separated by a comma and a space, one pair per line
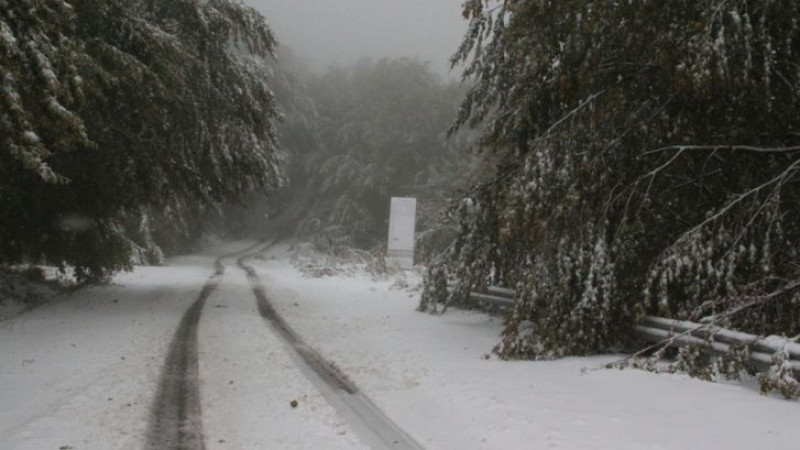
362, 134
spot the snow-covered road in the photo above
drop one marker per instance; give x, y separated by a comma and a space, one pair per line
430, 375
81, 372
84, 373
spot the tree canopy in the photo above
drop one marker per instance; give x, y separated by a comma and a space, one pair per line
649, 156
117, 111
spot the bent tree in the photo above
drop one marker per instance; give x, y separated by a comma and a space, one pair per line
650, 154
118, 114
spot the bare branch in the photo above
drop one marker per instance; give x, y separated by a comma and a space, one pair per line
572, 113
780, 180
652, 174
744, 148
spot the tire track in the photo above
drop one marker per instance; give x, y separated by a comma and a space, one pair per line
176, 416
373, 425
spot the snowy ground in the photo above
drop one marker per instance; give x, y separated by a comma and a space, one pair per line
19, 293
81, 373
430, 375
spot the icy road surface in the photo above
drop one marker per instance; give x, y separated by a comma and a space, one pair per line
84, 373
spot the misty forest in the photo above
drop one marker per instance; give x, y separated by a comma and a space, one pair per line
603, 161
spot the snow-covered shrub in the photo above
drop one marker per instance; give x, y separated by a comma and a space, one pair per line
317, 260
22, 288
315, 263
780, 377
735, 364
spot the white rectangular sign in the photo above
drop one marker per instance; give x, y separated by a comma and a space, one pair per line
402, 225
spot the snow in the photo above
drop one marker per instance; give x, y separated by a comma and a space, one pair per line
82, 372
56, 108
248, 381
7, 36
23, 288
29, 137
430, 375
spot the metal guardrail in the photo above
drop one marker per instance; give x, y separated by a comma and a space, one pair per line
495, 297
678, 333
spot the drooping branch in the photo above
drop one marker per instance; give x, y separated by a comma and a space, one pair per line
743, 148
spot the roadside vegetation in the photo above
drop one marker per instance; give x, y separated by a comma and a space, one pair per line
648, 164
124, 123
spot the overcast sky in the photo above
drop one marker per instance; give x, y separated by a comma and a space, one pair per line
330, 32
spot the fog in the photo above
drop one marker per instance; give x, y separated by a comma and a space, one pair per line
339, 32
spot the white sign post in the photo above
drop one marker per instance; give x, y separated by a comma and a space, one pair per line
402, 225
